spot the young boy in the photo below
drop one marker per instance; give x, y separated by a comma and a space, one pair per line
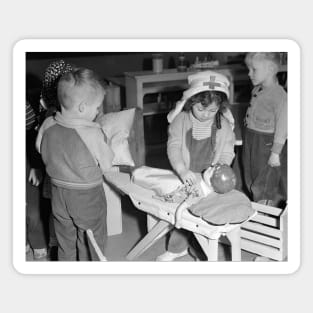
265, 142
75, 153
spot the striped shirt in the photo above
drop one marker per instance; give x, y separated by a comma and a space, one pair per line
30, 117
201, 130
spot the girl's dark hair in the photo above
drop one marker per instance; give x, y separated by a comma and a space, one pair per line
206, 98
52, 75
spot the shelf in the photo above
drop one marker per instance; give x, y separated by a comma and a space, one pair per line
149, 88
155, 108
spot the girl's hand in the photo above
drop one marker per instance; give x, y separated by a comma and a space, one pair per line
35, 176
274, 160
188, 177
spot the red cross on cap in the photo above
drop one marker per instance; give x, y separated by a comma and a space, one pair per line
212, 84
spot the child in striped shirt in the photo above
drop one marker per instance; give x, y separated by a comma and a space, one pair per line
35, 236
200, 135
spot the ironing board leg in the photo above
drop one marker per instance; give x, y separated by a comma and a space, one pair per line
209, 247
151, 221
235, 241
158, 231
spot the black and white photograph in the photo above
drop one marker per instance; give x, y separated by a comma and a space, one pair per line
157, 157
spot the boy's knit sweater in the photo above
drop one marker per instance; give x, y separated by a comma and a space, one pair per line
74, 151
268, 114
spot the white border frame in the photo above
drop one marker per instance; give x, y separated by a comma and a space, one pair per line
155, 45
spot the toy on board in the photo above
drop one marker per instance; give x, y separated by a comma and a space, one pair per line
223, 178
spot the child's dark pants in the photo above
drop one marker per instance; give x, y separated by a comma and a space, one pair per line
263, 181
74, 212
34, 224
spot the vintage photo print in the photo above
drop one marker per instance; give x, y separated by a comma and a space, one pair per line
156, 156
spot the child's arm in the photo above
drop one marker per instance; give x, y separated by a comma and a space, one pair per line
175, 143
188, 177
95, 140
48, 122
225, 142
280, 134
33, 157
274, 160
105, 154
175, 150
35, 176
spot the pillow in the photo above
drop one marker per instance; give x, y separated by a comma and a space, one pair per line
117, 127
232, 207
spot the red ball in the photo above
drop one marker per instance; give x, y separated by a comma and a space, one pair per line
223, 178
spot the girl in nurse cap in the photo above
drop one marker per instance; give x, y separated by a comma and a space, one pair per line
200, 135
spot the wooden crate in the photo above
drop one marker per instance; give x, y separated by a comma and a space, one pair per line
266, 234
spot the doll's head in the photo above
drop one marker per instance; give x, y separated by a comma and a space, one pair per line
220, 177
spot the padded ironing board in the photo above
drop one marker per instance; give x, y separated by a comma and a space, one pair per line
170, 215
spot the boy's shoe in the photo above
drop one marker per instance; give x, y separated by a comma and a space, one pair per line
40, 254
170, 256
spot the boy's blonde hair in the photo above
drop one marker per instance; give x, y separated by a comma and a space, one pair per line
273, 57
78, 85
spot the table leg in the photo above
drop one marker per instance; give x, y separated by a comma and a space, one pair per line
235, 241
209, 247
158, 231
